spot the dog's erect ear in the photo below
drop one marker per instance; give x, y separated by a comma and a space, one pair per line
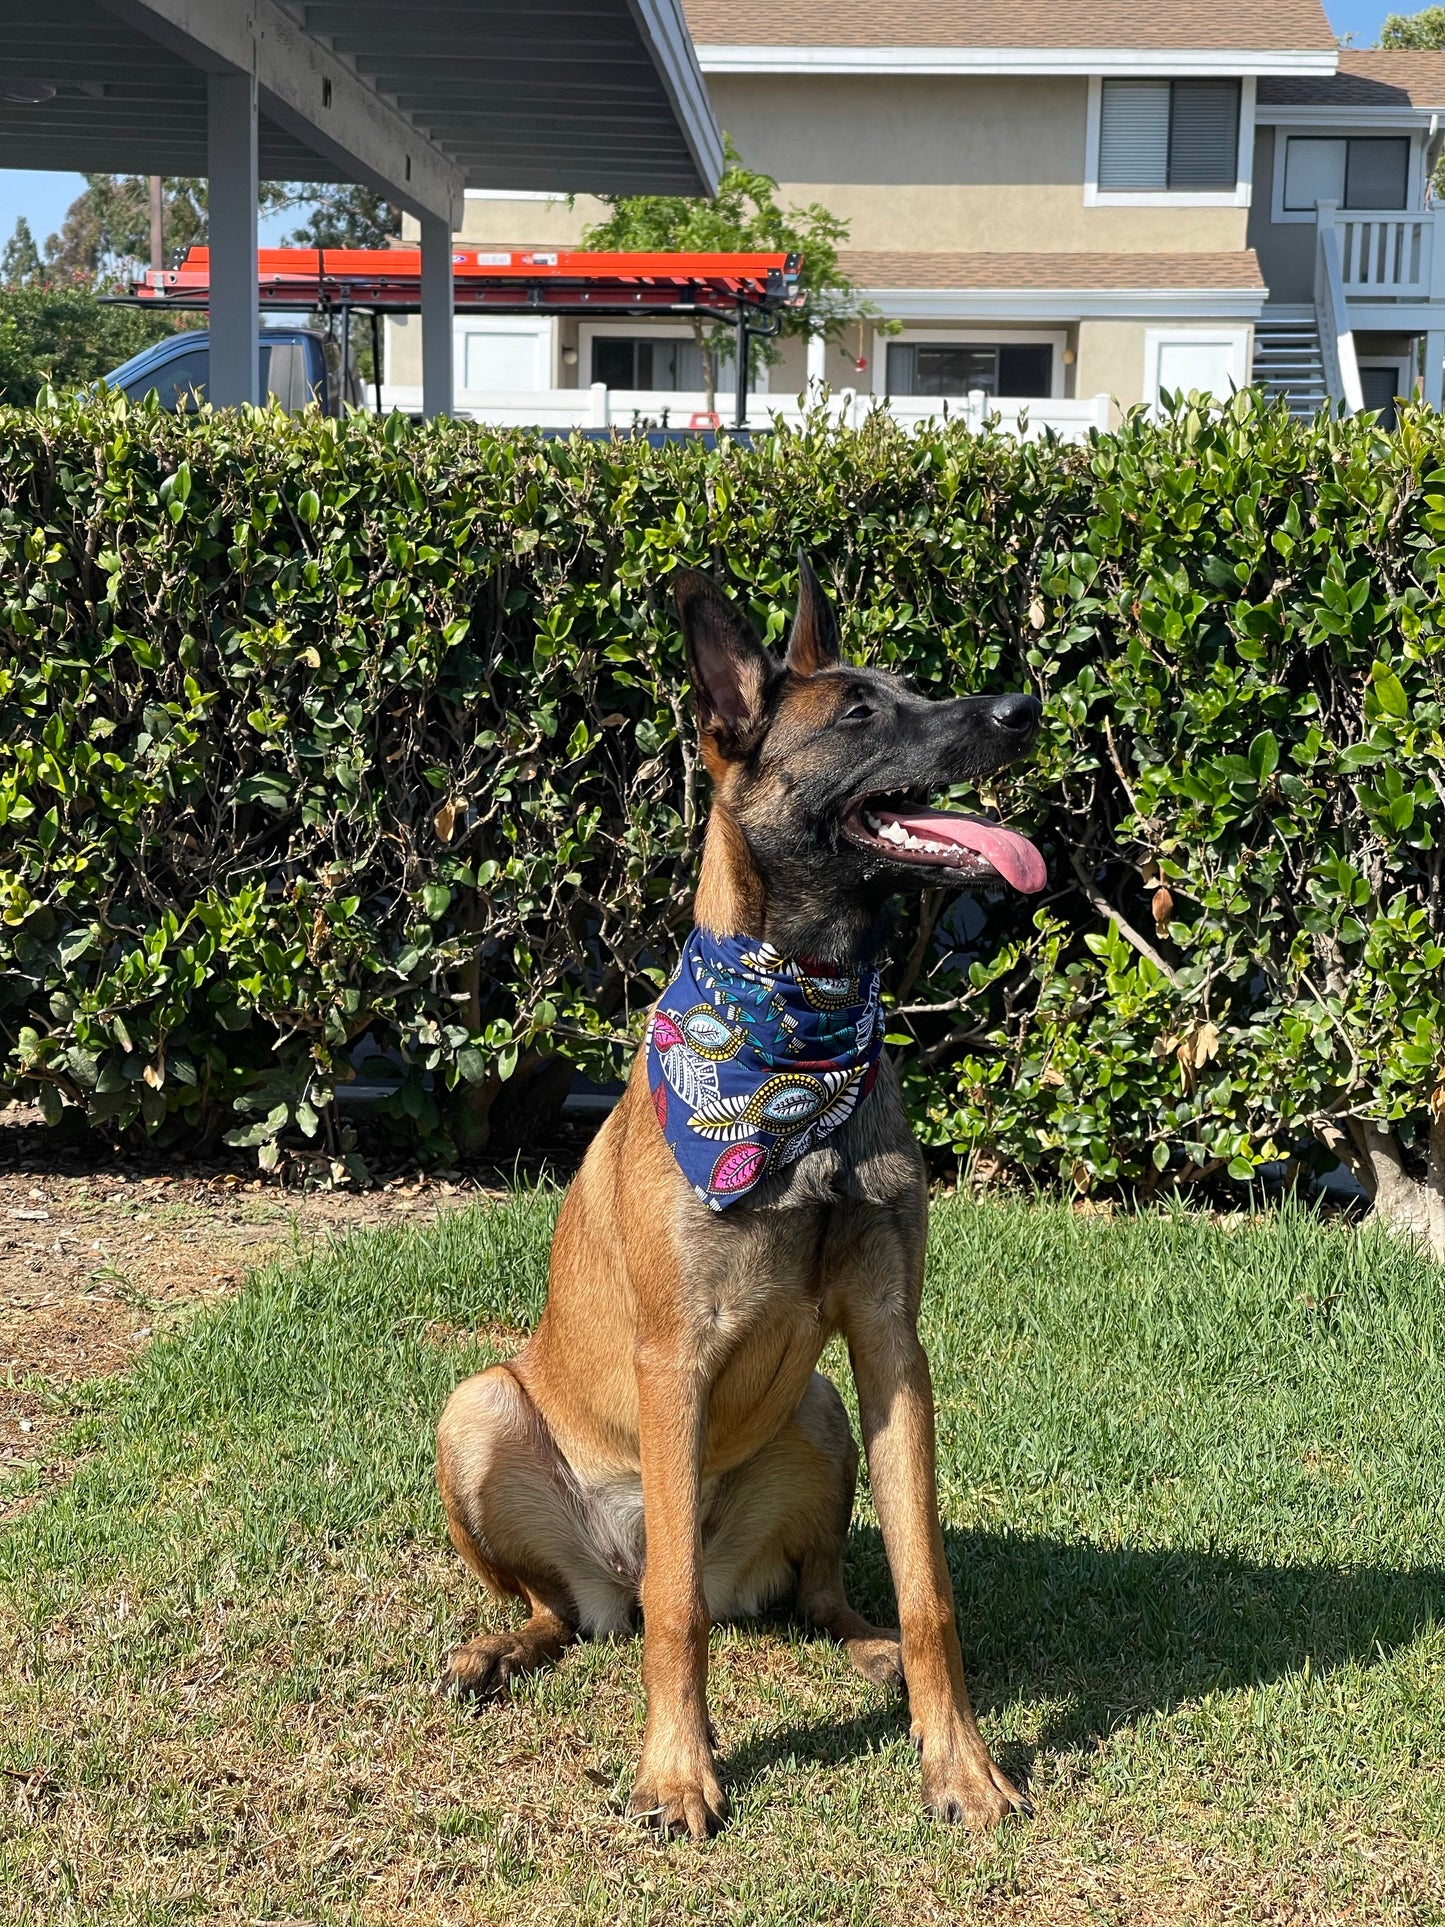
729, 667
813, 644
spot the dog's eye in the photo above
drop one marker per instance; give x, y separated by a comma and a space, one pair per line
857, 713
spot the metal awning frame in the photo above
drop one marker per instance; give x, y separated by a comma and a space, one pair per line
750, 291
560, 282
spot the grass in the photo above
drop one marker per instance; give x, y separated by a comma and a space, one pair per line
1192, 1489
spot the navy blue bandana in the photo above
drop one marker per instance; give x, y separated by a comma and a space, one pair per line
753, 1058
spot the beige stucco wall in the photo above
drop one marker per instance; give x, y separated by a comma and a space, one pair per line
401, 353
1111, 360
543, 223
1111, 356
940, 164
993, 164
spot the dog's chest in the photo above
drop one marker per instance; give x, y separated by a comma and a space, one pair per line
764, 1274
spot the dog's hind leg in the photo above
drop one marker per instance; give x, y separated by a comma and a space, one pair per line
787, 1511
512, 1516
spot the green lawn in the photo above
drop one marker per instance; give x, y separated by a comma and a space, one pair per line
1192, 1489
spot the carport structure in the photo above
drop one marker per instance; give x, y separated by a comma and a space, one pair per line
416, 99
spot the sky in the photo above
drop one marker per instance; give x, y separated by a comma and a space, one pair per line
43, 198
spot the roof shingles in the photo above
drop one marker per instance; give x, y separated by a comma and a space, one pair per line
1368, 77
1156, 25
877, 268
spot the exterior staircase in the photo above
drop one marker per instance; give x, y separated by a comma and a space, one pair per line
1289, 364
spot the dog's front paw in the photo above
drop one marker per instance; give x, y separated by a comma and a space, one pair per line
969, 1792
879, 1658
484, 1668
679, 1792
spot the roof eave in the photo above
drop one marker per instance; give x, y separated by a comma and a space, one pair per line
1344, 114
964, 305
1135, 62
664, 33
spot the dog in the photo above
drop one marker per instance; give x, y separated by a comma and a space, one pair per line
663, 1439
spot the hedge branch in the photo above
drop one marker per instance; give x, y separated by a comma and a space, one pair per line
1126, 929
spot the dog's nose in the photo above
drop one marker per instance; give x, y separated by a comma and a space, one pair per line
1016, 715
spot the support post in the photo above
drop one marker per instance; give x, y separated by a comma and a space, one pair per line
1434, 371
235, 321
438, 385
740, 393
345, 384
376, 357
157, 214
817, 368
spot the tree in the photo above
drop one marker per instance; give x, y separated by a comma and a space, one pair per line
345, 216
20, 263
58, 332
1423, 30
106, 231
744, 218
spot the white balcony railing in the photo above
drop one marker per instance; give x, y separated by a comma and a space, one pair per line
1385, 253
599, 407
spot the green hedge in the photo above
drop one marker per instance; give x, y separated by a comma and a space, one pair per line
313, 729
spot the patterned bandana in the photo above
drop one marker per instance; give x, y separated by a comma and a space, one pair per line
754, 1058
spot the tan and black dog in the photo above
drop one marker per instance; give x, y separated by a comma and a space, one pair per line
664, 1438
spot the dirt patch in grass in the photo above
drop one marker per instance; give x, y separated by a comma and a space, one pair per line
97, 1258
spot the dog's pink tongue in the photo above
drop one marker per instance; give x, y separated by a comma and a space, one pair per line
1012, 855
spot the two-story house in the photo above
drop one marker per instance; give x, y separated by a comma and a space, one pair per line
1071, 209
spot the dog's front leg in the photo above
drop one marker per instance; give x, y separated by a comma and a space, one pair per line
677, 1785
895, 1402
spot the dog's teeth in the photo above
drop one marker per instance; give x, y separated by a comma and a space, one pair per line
871, 821
894, 833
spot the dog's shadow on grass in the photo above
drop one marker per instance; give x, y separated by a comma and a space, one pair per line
1102, 1638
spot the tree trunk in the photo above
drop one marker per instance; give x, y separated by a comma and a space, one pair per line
1412, 1207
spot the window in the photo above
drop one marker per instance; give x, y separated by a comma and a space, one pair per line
1013, 368
283, 373
1371, 171
179, 382
1169, 136
659, 362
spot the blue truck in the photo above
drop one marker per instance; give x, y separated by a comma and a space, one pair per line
299, 366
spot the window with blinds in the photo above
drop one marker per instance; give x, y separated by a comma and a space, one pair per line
1169, 136
1370, 171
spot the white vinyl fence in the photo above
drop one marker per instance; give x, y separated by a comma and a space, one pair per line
623, 408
